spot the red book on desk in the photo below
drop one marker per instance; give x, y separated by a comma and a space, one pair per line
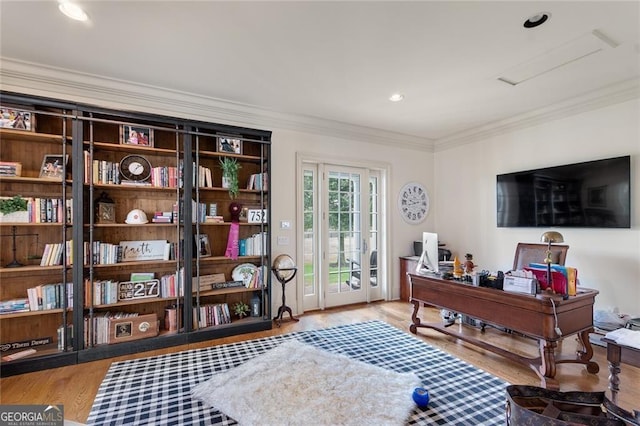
558, 278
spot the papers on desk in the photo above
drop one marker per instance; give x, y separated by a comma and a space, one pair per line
625, 336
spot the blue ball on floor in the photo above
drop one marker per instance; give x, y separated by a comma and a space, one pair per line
421, 397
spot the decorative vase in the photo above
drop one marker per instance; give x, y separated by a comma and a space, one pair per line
226, 182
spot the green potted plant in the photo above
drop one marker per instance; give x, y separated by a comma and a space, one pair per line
13, 209
241, 309
230, 167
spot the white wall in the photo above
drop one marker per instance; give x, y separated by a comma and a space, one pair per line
607, 259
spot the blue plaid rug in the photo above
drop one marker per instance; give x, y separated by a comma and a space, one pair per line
156, 390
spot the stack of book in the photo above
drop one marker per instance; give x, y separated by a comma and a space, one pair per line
162, 217
10, 169
14, 305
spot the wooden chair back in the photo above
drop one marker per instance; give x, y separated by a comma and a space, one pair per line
536, 253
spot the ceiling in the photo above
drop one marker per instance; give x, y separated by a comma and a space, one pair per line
340, 61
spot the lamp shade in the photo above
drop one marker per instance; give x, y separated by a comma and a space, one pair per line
552, 237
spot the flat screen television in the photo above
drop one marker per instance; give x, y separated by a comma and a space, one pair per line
591, 194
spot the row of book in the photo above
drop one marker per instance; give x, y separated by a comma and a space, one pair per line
166, 177
105, 292
258, 181
108, 173
50, 296
100, 253
53, 254
49, 210
211, 314
255, 245
99, 323
172, 285
100, 171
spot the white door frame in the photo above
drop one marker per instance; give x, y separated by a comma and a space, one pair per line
383, 172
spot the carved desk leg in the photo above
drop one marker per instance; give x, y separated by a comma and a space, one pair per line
614, 355
415, 321
585, 353
548, 365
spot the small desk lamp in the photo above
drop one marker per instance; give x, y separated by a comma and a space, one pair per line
552, 237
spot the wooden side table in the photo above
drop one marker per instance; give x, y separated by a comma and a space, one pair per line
615, 355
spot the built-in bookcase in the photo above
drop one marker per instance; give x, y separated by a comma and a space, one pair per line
140, 223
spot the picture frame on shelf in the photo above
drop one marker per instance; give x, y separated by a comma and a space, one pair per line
229, 144
53, 166
136, 135
16, 118
203, 247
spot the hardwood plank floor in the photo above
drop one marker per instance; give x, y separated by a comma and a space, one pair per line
76, 386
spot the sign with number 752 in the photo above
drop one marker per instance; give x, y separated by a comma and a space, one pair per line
257, 216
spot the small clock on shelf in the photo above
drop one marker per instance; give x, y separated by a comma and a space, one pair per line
135, 168
413, 202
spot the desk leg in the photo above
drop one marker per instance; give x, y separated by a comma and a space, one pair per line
547, 367
586, 353
415, 321
614, 355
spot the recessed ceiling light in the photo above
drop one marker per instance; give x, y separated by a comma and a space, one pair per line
72, 10
536, 20
396, 97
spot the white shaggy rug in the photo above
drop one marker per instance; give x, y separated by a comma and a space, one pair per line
299, 384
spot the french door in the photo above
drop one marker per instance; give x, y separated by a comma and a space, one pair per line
340, 238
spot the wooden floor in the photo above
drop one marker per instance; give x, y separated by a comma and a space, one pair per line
76, 386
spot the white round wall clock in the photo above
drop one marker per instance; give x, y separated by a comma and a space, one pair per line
413, 202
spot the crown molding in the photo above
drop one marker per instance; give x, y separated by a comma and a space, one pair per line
609, 95
43, 80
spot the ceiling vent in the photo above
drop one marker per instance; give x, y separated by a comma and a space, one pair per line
586, 45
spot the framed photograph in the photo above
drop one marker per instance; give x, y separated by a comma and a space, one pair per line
202, 245
136, 135
53, 166
229, 144
18, 119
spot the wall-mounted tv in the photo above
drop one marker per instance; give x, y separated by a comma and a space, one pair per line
592, 194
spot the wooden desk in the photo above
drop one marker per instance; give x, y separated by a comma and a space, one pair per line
616, 354
528, 315
407, 264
